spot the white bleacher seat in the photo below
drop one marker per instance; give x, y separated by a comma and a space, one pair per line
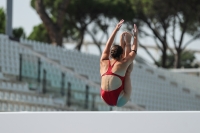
16, 107
10, 107
38, 108
39, 100
22, 108
6, 96
27, 108
4, 107
12, 96
18, 97
1, 76
35, 100
43, 109
45, 100
1, 95
24, 98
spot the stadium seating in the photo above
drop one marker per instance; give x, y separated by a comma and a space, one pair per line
29, 68
153, 88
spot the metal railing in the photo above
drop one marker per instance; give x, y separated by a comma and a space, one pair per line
44, 84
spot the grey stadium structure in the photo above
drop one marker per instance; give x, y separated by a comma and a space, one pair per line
35, 76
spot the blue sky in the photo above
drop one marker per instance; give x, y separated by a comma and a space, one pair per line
25, 16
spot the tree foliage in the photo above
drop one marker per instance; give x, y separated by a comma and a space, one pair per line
164, 18
19, 33
52, 13
78, 16
187, 60
39, 33
2, 21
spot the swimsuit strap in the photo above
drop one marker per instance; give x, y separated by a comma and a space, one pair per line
109, 71
112, 64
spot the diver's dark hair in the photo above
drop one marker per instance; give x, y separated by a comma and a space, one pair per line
116, 51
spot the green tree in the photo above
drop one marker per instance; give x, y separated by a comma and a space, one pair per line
110, 11
75, 18
19, 33
53, 14
164, 18
2, 21
187, 60
39, 33
80, 15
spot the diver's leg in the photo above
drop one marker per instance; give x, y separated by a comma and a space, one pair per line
125, 95
122, 42
127, 46
127, 82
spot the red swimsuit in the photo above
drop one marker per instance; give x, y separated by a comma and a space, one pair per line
111, 97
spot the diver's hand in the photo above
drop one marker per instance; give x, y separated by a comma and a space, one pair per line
127, 38
118, 26
135, 31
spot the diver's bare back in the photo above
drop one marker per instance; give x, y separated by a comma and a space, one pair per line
112, 82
